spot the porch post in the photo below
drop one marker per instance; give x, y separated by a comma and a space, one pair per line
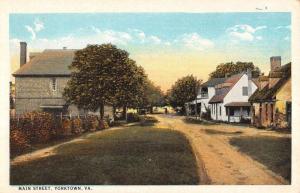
228, 113
241, 111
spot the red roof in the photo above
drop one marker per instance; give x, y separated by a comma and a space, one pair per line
218, 97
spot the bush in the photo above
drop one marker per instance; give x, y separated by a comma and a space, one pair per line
66, 127
77, 126
38, 126
206, 115
18, 141
133, 117
103, 124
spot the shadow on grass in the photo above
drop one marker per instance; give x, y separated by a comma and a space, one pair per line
202, 122
217, 132
273, 152
130, 156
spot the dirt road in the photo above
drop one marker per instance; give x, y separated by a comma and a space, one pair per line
222, 163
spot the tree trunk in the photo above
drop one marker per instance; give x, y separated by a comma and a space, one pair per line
151, 109
124, 112
101, 111
114, 112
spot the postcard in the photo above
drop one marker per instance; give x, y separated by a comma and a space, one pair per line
157, 97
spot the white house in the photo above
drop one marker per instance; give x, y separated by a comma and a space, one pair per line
230, 102
205, 93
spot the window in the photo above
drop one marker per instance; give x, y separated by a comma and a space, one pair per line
53, 84
220, 111
245, 91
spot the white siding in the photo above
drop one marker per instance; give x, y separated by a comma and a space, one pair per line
234, 95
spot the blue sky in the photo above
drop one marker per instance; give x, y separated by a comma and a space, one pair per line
193, 43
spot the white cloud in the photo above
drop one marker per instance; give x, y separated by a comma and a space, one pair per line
195, 41
259, 38
31, 31
244, 32
287, 38
283, 27
111, 36
35, 28
154, 39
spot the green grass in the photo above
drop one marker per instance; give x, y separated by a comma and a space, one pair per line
273, 152
130, 156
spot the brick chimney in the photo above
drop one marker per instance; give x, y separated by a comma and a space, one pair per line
23, 53
275, 62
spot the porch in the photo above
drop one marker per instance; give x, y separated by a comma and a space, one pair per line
238, 112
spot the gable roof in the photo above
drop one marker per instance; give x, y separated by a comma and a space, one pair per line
267, 93
222, 92
52, 62
213, 82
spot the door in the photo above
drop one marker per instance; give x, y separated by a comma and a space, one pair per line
289, 113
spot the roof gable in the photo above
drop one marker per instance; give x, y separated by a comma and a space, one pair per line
49, 62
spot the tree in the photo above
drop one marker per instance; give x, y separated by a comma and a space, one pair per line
234, 68
153, 95
184, 90
103, 74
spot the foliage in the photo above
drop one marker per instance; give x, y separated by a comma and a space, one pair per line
104, 74
77, 126
38, 126
18, 141
66, 127
153, 95
234, 68
184, 90
133, 117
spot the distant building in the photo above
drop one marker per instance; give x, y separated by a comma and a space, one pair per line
272, 102
40, 82
206, 92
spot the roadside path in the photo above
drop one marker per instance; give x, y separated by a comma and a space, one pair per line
222, 162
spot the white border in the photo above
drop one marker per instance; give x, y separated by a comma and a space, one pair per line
88, 6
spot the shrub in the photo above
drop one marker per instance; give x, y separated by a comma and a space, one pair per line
103, 124
38, 126
66, 127
206, 115
18, 141
77, 126
93, 123
133, 117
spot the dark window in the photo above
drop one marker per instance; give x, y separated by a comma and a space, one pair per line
220, 111
231, 111
245, 91
53, 84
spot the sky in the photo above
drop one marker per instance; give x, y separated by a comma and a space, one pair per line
167, 45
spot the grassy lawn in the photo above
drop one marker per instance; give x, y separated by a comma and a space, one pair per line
134, 155
273, 152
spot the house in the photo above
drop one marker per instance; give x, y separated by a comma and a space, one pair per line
40, 82
206, 92
230, 102
272, 102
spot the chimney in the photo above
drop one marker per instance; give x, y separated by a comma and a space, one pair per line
23, 53
275, 62
249, 74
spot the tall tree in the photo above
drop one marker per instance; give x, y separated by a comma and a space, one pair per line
102, 74
233, 68
153, 95
184, 90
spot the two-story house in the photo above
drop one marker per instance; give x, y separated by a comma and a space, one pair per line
40, 82
230, 102
206, 92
